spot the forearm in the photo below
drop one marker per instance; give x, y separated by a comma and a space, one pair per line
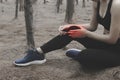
100, 37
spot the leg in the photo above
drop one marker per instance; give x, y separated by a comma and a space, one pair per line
98, 58
60, 41
35, 57
92, 43
97, 54
56, 43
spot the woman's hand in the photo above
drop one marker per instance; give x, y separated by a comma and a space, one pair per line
78, 33
66, 28
61, 28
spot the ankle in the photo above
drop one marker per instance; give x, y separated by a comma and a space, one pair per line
39, 50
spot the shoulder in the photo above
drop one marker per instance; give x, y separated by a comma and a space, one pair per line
115, 9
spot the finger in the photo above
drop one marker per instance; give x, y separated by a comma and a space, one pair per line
71, 36
69, 32
72, 31
62, 27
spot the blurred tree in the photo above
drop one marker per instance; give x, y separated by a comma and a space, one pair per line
77, 2
59, 2
69, 11
29, 23
44, 1
83, 4
21, 7
16, 11
1, 1
21, 3
33, 1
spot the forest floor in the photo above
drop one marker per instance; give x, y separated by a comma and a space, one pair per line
46, 24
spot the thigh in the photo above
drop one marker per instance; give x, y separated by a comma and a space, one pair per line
98, 58
92, 43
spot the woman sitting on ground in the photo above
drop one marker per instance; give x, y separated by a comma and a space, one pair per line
101, 49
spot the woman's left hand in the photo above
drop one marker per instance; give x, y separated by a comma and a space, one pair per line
77, 33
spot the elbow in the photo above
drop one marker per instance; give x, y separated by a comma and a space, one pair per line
112, 41
93, 29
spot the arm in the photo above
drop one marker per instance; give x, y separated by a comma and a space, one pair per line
92, 26
93, 23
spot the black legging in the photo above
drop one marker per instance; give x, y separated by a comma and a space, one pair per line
97, 53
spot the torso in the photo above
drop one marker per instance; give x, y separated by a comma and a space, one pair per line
104, 14
113, 30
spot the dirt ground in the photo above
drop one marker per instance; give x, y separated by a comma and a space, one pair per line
46, 23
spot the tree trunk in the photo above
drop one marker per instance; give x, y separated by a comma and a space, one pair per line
57, 6
1, 1
21, 7
44, 1
29, 24
59, 2
16, 11
69, 11
77, 2
83, 5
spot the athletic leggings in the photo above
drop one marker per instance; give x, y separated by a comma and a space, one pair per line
97, 53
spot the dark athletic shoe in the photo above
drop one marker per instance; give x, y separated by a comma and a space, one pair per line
73, 53
32, 57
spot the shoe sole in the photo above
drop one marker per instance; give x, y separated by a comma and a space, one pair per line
30, 63
74, 49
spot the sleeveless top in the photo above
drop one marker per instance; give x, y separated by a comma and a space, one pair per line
106, 20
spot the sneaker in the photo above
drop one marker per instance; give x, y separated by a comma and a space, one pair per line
73, 53
32, 57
